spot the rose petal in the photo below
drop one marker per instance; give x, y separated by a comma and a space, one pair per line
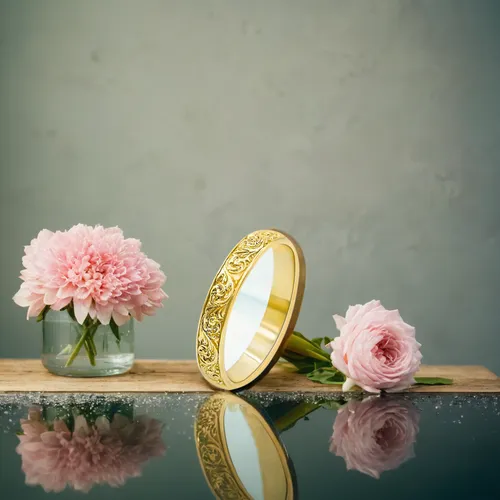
348, 384
340, 321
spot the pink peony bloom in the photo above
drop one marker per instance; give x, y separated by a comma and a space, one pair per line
375, 435
103, 453
376, 349
101, 272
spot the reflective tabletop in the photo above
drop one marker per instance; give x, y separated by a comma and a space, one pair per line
249, 445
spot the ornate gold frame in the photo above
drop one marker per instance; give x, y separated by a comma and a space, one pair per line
280, 318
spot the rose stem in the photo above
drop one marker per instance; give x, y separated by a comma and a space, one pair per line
306, 348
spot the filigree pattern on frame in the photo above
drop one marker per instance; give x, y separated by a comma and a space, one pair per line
210, 445
246, 251
220, 295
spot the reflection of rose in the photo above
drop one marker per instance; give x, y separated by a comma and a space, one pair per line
101, 453
375, 435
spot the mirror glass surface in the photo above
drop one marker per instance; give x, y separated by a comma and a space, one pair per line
420, 446
243, 451
249, 309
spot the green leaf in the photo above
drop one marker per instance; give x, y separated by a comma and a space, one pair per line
42, 314
433, 381
305, 365
115, 329
71, 312
316, 340
301, 336
319, 341
327, 376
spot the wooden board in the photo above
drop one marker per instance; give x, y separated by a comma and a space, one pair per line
28, 375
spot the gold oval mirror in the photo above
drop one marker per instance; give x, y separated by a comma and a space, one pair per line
240, 453
250, 310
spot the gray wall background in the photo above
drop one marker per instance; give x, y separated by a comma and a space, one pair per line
369, 130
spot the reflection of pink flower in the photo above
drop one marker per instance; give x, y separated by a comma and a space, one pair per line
375, 435
104, 274
376, 349
103, 453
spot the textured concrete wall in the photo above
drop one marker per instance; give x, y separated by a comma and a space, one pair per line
370, 130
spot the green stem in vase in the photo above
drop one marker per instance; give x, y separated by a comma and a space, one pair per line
92, 343
105, 343
81, 342
88, 330
90, 352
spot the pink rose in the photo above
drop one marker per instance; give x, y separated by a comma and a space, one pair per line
375, 435
376, 349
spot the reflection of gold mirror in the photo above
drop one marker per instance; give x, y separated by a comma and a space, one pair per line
240, 453
250, 310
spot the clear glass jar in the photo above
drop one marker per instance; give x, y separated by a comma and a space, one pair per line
89, 350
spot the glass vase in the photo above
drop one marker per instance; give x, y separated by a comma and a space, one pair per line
88, 350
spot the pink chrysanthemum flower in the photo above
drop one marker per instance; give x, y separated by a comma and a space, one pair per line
100, 272
102, 453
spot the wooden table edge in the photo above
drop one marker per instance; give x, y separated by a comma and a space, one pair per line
152, 377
